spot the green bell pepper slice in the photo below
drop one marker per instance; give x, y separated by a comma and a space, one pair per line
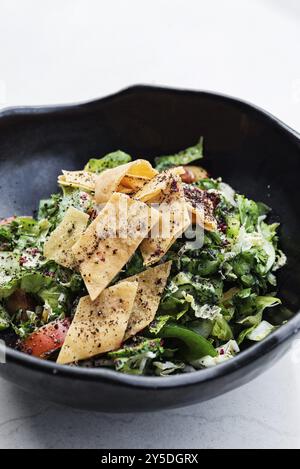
196, 346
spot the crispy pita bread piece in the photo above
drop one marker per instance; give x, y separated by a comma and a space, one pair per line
152, 191
125, 190
174, 220
99, 326
111, 239
201, 207
81, 179
58, 246
109, 180
134, 183
151, 285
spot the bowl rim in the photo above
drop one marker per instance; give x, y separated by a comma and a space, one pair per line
254, 352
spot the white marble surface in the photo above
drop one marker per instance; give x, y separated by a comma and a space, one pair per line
71, 50
262, 414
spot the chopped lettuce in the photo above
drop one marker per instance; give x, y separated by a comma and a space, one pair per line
41, 285
261, 331
107, 162
25, 232
250, 308
54, 209
53, 297
188, 292
207, 184
22, 327
166, 368
136, 358
9, 268
251, 254
145, 356
182, 158
52, 288
4, 319
159, 322
224, 353
228, 193
221, 329
222, 290
250, 211
134, 266
219, 297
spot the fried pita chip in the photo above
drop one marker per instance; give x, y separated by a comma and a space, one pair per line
81, 179
201, 207
109, 180
111, 239
99, 326
58, 246
135, 183
125, 190
153, 190
151, 285
174, 220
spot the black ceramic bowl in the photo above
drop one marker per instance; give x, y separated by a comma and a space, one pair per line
253, 151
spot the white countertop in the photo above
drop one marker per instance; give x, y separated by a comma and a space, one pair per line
263, 414
73, 50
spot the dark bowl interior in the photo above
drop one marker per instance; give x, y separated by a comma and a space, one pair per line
250, 149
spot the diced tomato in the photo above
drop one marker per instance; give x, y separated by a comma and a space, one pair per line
7, 221
47, 339
188, 176
193, 174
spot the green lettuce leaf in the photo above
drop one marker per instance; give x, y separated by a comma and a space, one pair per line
48, 208
136, 358
51, 294
187, 292
208, 184
107, 162
9, 266
256, 305
4, 319
250, 211
221, 329
6, 238
166, 368
25, 232
54, 209
23, 328
224, 352
184, 157
159, 322
260, 332
134, 266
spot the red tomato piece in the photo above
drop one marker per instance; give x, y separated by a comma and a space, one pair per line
47, 339
7, 221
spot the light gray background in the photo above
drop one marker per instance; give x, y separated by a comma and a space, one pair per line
71, 50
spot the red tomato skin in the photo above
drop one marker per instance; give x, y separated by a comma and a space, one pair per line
7, 221
47, 339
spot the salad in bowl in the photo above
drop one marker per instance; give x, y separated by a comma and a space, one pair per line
145, 269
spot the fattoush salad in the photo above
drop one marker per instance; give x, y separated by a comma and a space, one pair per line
94, 281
